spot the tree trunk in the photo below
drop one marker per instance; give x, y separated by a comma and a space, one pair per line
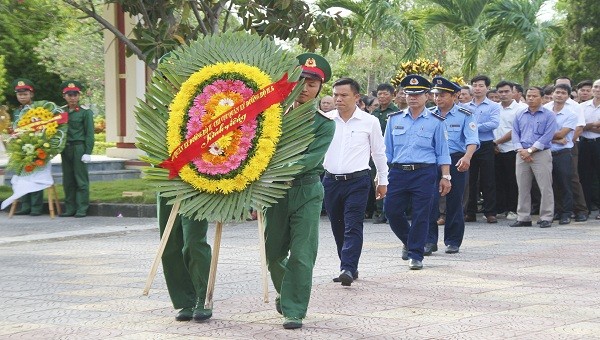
526, 79
371, 86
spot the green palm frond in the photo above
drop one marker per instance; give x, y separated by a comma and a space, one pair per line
152, 114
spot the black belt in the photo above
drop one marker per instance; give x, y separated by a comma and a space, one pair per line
457, 154
561, 151
345, 177
304, 180
76, 142
589, 139
410, 167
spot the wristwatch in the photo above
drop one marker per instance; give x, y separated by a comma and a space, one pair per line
530, 150
448, 177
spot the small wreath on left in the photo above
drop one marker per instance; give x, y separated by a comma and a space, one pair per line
40, 134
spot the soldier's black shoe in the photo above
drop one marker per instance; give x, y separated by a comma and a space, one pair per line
404, 253
35, 214
67, 214
200, 313
23, 212
346, 278
292, 323
186, 314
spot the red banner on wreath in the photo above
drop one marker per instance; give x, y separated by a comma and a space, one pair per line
227, 122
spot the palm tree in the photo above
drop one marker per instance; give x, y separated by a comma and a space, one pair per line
466, 18
517, 21
373, 19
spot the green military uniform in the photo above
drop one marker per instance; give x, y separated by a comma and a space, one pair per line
80, 141
186, 258
292, 224
33, 202
382, 115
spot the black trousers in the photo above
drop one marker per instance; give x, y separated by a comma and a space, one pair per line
482, 169
562, 172
507, 191
589, 167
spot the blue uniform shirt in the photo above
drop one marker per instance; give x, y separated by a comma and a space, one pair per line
421, 140
487, 116
462, 129
534, 129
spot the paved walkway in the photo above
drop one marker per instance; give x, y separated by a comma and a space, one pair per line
83, 279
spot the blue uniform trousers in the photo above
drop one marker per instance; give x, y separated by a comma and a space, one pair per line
345, 202
418, 185
454, 229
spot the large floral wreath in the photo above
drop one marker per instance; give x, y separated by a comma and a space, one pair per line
201, 103
40, 134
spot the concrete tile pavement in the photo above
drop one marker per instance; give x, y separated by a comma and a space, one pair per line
83, 278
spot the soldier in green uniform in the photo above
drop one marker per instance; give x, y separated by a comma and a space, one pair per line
76, 154
292, 224
33, 202
186, 264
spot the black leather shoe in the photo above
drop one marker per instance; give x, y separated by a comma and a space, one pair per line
546, 224
491, 219
200, 313
556, 217
581, 217
470, 218
35, 214
186, 314
67, 214
521, 224
404, 253
23, 212
451, 249
415, 264
292, 323
354, 276
429, 248
346, 278
565, 220
79, 215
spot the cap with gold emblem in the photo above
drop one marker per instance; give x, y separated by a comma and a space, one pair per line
442, 84
314, 66
415, 84
71, 86
22, 85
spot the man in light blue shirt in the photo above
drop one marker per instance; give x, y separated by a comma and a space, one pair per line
481, 174
415, 145
533, 131
463, 141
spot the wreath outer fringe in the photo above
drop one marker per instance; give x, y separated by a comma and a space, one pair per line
248, 167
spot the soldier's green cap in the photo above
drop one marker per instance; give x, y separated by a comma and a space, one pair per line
71, 86
314, 66
22, 85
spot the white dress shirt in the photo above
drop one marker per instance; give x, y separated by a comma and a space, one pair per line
507, 117
591, 114
353, 142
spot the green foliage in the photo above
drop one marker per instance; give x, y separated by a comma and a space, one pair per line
576, 54
22, 25
3, 81
75, 52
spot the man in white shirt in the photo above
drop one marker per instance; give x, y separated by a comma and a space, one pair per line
506, 180
357, 137
589, 154
579, 205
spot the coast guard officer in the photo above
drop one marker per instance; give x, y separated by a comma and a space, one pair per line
463, 141
415, 145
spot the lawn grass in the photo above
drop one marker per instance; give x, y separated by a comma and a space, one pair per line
106, 191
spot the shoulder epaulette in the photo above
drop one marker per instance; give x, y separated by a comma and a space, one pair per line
438, 116
324, 114
394, 113
84, 107
465, 111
